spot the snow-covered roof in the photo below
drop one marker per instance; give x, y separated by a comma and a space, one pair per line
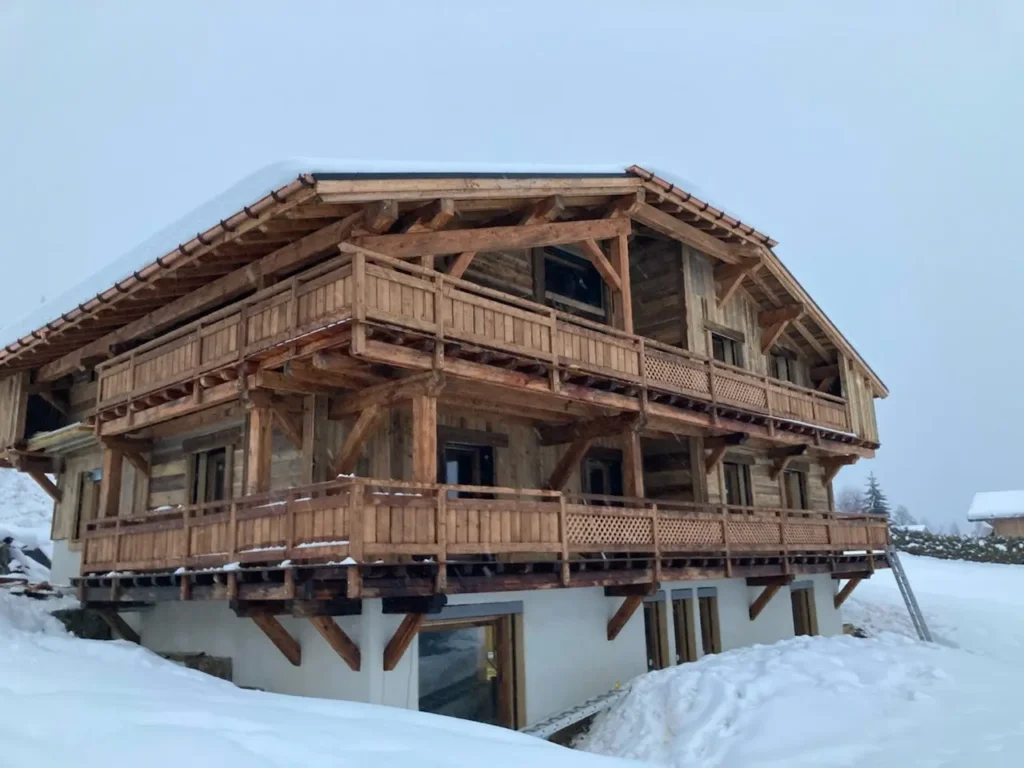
254, 186
990, 505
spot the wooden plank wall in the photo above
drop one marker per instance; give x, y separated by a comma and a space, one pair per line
768, 492
1011, 527
738, 314
659, 309
13, 408
70, 483
861, 401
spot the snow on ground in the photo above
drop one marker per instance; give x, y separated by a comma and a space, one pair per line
887, 700
25, 514
96, 704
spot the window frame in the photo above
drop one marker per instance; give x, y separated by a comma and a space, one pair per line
566, 259
728, 343
803, 500
710, 624
198, 476
778, 356
684, 628
745, 483
656, 634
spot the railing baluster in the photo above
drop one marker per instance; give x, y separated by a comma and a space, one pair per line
233, 531
563, 536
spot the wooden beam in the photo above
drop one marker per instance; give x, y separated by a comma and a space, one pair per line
602, 426
110, 483
379, 216
46, 484
670, 226
424, 438
400, 641
119, 626
763, 599
279, 382
461, 264
718, 446
846, 591
831, 466
215, 293
782, 459
260, 449
632, 466
772, 317
569, 463
593, 252
388, 394
354, 377
492, 238
548, 209
620, 260
338, 639
430, 217
623, 615
279, 636
348, 457
728, 277
289, 422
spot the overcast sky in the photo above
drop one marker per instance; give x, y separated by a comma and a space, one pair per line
880, 146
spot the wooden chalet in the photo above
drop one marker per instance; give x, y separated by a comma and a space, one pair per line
412, 386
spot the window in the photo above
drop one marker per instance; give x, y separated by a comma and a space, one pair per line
805, 618
710, 633
794, 489
466, 464
686, 641
211, 475
783, 367
656, 631
601, 475
88, 500
726, 350
468, 669
573, 281
737, 484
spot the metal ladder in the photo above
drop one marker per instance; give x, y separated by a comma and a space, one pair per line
916, 617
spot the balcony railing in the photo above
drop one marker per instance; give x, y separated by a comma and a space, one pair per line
389, 292
372, 520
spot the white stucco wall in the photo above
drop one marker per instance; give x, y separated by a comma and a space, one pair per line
567, 657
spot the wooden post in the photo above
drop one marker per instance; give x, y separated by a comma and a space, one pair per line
259, 449
110, 484
357, 537
620, 260
424, 438
441, 522
315, 463
563, 537
632, 465
403, 636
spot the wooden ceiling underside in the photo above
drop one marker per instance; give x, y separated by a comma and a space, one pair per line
280, 221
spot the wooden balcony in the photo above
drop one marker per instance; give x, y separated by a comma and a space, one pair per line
405, 301
381, 524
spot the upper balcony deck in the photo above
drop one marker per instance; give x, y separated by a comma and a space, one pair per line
431, 320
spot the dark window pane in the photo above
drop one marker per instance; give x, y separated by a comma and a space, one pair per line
574, 278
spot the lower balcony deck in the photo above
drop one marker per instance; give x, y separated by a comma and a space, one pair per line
355, 538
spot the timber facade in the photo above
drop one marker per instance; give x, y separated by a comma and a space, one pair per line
413, 387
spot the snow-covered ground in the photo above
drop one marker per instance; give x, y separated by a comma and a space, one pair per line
91, 703
886, 701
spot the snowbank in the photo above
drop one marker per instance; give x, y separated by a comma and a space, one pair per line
95, 704
885, 701
25, 514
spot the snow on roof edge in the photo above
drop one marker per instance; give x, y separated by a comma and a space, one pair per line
246, 191
992, 505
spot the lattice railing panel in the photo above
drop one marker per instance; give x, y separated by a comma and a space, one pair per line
744, 393
753, 532
677, 375
673, 531
806, 533
586, 529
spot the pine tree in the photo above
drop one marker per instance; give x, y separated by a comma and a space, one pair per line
875, 502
